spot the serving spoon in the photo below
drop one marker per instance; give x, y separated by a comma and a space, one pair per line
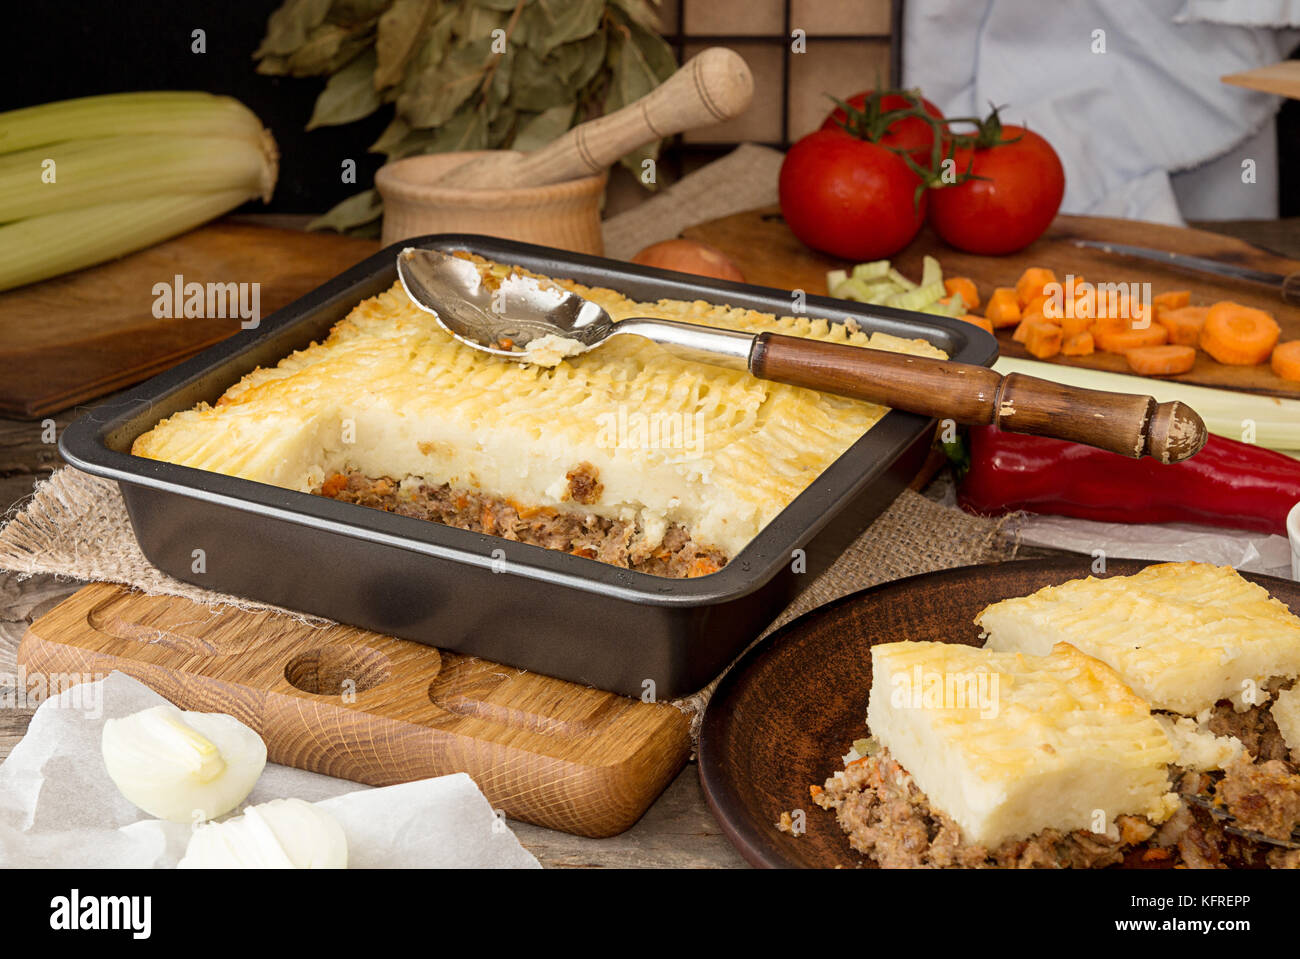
526, 320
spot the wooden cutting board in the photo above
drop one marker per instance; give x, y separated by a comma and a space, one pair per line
373, 709
768, 253
75, 337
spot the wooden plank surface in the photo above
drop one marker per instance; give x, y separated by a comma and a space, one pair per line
366, 707
76, 337
768, 253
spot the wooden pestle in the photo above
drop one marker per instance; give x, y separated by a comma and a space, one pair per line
713, 86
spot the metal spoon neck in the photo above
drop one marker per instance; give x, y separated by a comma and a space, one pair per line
701, 344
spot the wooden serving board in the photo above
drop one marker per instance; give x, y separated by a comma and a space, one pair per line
75, 337
768, 253
373, 709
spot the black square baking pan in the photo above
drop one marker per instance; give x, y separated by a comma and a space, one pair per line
538, 609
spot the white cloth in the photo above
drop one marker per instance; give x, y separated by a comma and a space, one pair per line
60, 809
1124, 122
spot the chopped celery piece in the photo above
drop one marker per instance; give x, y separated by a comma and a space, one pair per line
852, 289
875, 270
834, 278
901, 280
956, 306
916, 299
931, 272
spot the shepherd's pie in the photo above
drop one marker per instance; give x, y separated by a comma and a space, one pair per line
1007, 744
1183, 635
626, 454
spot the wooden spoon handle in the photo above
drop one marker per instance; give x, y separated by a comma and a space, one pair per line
712, 86
975, 395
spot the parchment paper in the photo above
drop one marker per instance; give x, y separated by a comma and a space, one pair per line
59, 808
1171, 542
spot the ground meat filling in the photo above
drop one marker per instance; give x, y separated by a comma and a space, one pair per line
584, 487
1263, 794
1255, 727
1264, 797
583, 534
887, 818
1200, 841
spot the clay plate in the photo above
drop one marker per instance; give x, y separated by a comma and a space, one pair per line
783, 716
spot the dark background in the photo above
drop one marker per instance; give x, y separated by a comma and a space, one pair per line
57, 49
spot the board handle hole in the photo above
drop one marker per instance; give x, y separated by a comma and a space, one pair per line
335, 670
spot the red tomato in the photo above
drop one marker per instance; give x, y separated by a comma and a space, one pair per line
849, 197
909, 133
1009, 209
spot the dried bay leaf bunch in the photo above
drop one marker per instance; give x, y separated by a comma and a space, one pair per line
466, 74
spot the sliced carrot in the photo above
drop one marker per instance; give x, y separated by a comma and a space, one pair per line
1004, 308
1141, 315
1173, 300
1122, 321
982, 322
1122, 340
966, 287
1161, 360
1238, 335
1103, 324
1077, 344
1116, 303
1042, 339
1073, 324
1026, 318
1036, 304
1085, 303
1031, 283
1286, 360
1184, 323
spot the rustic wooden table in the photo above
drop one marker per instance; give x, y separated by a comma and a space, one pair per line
677, 831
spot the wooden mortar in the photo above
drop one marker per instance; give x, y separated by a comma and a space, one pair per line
564, 215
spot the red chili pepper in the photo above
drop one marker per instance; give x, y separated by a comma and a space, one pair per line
1227, 483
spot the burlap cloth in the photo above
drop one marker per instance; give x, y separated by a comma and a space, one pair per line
75, 525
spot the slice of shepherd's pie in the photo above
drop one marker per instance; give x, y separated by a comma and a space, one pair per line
979, 758
1183, 635
1218, 656
626, 454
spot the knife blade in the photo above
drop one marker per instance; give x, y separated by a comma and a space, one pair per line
1287, 286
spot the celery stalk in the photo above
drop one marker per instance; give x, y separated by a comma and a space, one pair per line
89, 172
173, 113
44, 246
1275, 422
